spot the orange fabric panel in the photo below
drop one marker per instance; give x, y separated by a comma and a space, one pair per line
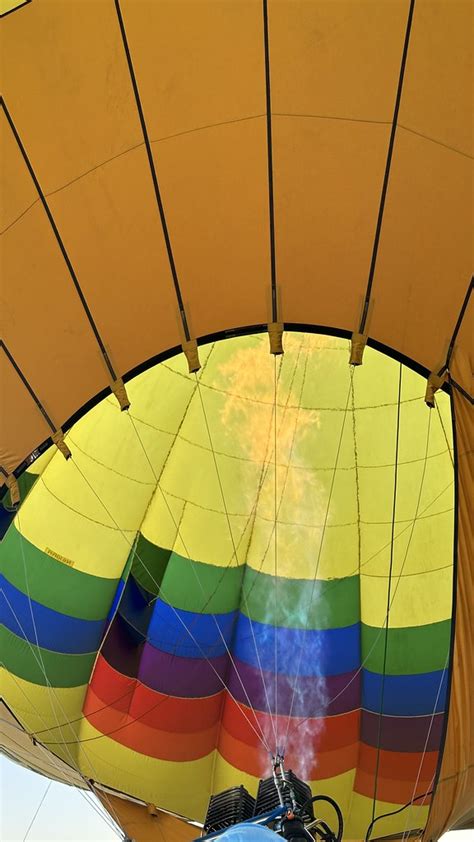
462, 360
204, 104
140, 825
19, 417
332, 111
453, 799
76, 114
416, 301
324, 242
425, 254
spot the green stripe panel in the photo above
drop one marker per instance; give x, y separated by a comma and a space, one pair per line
25, 660
301, 603
54, 584
409, 650
207, 588
149, 564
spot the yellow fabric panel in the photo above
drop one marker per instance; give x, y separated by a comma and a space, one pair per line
415, 600
42, 709
65, 516
150, 779
361, 812
453, 798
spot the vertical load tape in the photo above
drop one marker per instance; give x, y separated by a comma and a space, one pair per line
120, 393
358, 343
190, 349
58, 439
435, 381
275, 333
12, 485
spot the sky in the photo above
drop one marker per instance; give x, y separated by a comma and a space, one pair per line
65, 814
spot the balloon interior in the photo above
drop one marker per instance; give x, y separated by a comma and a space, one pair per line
248, 571
236, 576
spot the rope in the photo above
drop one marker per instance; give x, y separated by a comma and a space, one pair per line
318, 559
265, 469
40, 663
55, 761
235, 554
386, 624
425, 747
448, 445
193, 567
37, 811
275, 528
178, 616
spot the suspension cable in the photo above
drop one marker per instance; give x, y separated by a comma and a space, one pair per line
55, 760
40, 662
318, 558
234, 548
175, 612
387, 619
425, 747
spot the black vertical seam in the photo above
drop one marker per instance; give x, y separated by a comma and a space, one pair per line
154, 177
15, 8
271, 208
387, 169
457, 327
59, 240
27, 386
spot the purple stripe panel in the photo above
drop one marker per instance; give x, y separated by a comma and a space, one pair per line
301, 696
402, 733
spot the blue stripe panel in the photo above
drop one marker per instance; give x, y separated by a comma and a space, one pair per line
327, 652
57, 632
405, 695
190, 635
298, 651
137, 606
116, 600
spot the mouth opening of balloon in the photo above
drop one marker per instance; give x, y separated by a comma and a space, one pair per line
284, 563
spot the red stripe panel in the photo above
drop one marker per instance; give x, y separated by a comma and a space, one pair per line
154, 709
397, 774
170, 728
152, 742
325, 734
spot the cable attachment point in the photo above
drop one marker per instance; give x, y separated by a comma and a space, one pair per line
58, 439
14, 489
120, 393
358, 343
275, 333
435, 381
190, 350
